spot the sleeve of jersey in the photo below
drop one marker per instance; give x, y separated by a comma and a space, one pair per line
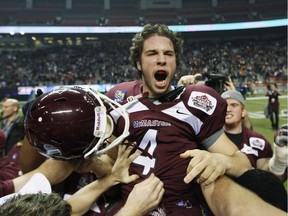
210, 108
264, 146
115, 93
6, 187
9, 168
121, 91
257, 148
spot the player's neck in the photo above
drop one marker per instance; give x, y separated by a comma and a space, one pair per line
233, 128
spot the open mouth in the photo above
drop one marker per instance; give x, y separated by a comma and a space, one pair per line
160, 76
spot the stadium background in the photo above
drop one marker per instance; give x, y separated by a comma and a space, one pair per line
110, 13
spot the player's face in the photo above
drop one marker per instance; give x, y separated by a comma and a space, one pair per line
234, 113
158, 65
8, 108
273, 87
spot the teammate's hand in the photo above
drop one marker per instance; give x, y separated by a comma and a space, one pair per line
282, 136
120, 169
188, 79
229, 85
279, 162
205, 167
144, 197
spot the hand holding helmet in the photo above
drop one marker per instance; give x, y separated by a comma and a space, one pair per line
279, 162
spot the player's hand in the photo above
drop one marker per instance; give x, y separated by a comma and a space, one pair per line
282, 136
279, 162
120, 169
188, 79
144, 197
205, 167
229, 85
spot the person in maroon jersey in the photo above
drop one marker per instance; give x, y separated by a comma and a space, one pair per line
9, 164
259, 152
136, 202
172, 126
254, 145
69, 148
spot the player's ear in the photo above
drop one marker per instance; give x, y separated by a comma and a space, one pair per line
139, 67
244, 113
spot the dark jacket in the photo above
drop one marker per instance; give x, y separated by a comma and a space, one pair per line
15, 134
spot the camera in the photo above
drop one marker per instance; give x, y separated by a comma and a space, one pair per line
216, 81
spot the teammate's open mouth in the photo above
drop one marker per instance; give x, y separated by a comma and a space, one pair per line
160, 76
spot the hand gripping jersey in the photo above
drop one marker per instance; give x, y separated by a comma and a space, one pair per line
165, 130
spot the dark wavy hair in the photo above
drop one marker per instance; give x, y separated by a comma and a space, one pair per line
35, 205
151, 30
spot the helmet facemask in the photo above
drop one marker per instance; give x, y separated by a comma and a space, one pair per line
104, 131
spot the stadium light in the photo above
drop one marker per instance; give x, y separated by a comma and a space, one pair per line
134, 29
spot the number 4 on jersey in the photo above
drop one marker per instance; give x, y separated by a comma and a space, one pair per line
148, 143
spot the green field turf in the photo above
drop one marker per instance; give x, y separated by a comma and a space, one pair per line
255, 107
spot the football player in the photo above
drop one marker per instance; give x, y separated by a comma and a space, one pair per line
173, 125
72, 124
152, 187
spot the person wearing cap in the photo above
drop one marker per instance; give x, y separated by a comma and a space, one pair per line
259, 152
253, 144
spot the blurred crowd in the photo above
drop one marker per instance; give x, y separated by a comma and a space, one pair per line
245, 61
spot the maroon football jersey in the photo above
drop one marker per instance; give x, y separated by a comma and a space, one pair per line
6, 187
254, 145
9, 165
165, 130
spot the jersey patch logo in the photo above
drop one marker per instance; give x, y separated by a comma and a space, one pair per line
249, 150
257, 143
203, 102
119, 96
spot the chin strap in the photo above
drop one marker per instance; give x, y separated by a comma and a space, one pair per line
172, 95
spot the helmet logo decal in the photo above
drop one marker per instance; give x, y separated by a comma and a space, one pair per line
100, 121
